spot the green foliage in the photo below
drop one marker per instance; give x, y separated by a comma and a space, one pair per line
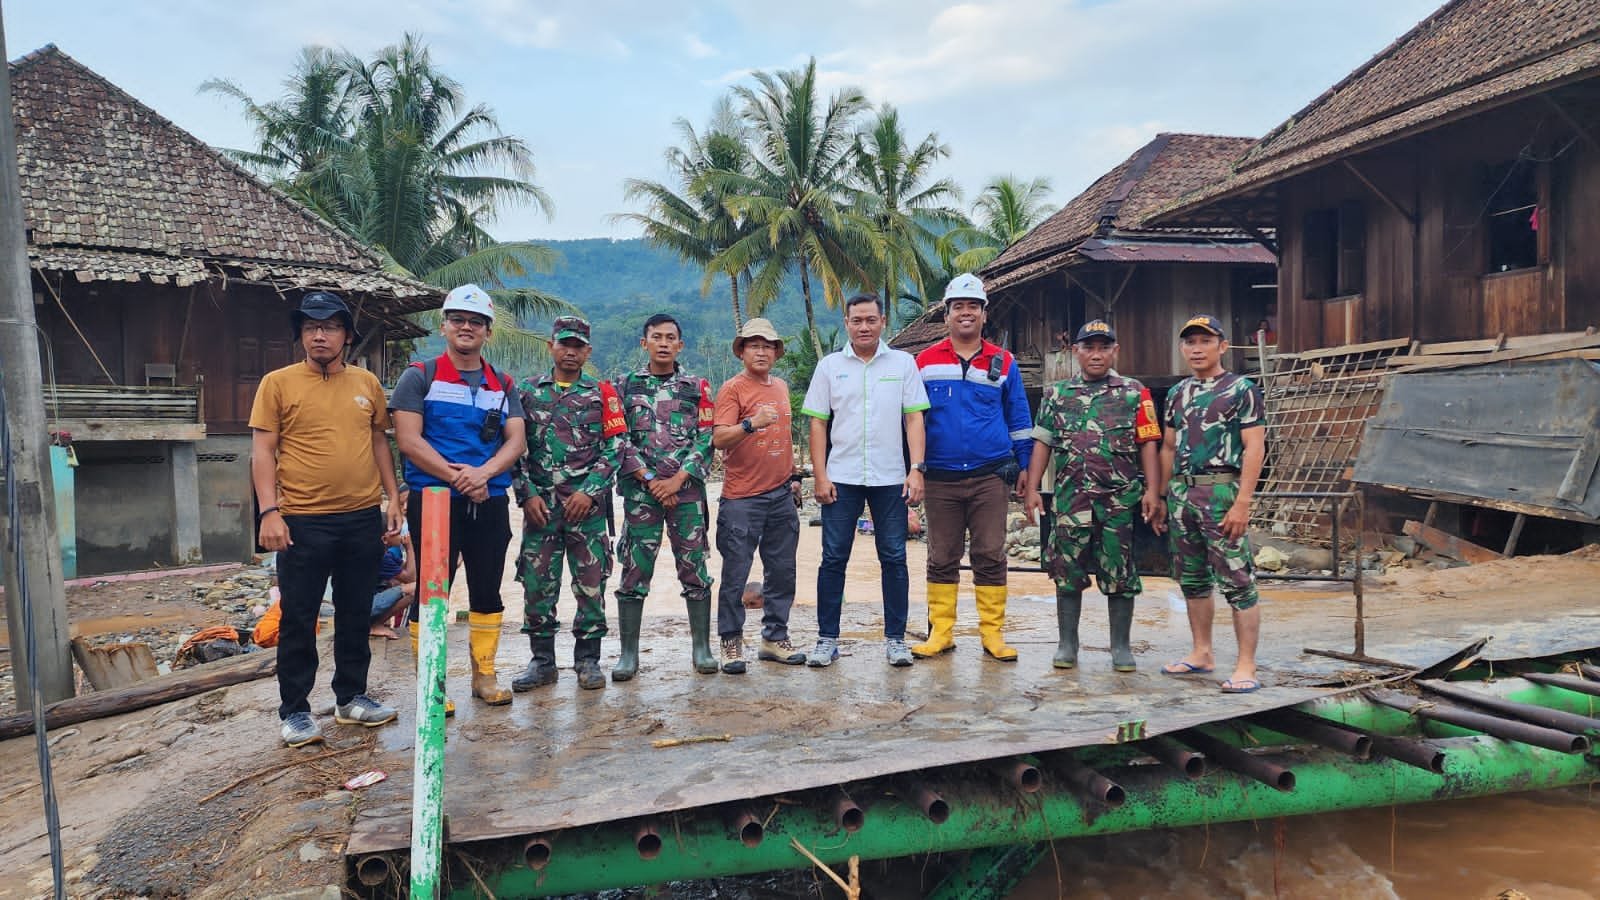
1007, 210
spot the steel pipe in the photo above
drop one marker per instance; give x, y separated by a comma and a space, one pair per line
1565, 682
747, 825
647, 840
1421, 754
374, 869
1318, 731
1589, 671
1019, 773
1089, 785
1169, 751
536, 852
925, 798
847, 815
600, 857
1558, 719
1235, 760
1494, 726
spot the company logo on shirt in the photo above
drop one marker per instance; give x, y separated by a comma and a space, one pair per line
364, 403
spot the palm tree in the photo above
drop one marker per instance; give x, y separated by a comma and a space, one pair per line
692, 219
1005, 211
890, 191
387, 151
802, 154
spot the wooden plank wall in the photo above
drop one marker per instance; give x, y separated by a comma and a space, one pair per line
1439, 178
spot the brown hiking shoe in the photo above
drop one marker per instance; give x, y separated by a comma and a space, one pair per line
733, 655
780, 651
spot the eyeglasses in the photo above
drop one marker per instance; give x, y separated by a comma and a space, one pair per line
323, 327
467, 321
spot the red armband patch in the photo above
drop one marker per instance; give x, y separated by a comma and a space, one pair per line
1144, 421
708, 410
612, 421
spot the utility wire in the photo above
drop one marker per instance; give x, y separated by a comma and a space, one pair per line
41, 740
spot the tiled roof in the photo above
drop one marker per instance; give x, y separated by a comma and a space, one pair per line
1160, 172
1467, 54
108, 184
922, 332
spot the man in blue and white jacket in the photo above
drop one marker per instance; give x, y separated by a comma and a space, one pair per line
459, 424
978, 440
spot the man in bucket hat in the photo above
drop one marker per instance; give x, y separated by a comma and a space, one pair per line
754, 431
458, 422
561, 485
320, 465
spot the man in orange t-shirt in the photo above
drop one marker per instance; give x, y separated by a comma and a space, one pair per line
760, 496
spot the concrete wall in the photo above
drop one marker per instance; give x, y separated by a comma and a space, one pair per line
124, 506
227, 514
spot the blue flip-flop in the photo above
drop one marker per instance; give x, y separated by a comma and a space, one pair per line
1184, 668
1242, 686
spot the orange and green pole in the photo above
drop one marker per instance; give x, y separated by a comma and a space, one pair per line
427, 791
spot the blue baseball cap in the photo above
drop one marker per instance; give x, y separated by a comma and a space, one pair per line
1208, 324
1097, 328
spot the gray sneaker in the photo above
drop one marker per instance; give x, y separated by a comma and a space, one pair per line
363, 710
299, 730
780, 651
827, 650
899, 654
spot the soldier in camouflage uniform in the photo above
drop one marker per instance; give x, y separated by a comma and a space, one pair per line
562, 484
1215, 445
1101, 429
662, 466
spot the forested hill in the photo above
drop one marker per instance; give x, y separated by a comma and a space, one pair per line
620, 284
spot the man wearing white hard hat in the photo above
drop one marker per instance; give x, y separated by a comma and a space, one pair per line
459, 424
978, 442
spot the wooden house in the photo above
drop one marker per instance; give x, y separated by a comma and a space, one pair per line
163, 278
1447, 190
1096, 258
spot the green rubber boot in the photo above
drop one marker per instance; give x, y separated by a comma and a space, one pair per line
586, 662
1069, 605
700, 636
629, 615
541, 669
1119, 607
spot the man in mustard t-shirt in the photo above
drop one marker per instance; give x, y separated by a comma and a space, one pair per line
320, 465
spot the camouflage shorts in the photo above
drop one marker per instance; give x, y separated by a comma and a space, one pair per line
1093, 534
1204, 556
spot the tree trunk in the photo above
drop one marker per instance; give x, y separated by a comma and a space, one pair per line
733, 284
811, 317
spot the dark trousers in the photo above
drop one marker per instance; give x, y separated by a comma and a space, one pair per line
838, 536
975, 506
348, 548
769, 523
479, 535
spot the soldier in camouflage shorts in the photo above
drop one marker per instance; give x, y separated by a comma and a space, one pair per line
561, 485
1101, 429
662, 466
1214, 449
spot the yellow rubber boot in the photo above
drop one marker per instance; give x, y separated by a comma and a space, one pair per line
941, 622
416, 630
483, 639
992, 620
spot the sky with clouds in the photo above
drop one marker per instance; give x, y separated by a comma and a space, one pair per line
1060, 88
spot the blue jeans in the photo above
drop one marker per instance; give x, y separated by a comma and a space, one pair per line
839, 535
383, 602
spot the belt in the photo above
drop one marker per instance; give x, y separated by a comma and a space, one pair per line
1209, 478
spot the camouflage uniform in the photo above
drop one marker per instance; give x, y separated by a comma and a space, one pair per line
669, 430
1208, 415
572, 448
1095, 428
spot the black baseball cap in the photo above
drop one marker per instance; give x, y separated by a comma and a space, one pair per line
322, 305
1097, 328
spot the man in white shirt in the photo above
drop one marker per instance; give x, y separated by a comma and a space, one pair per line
862, 401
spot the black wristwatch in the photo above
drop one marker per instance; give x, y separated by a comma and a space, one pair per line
748, 426
920, 467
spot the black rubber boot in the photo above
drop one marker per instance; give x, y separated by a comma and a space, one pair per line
700, 636
586, 661
630, 613
541, 669
1119, 608
1069, 605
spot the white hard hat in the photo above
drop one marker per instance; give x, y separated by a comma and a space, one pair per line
470, 298
966, 286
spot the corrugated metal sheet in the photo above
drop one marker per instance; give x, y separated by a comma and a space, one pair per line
1523, 437
1173, 251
